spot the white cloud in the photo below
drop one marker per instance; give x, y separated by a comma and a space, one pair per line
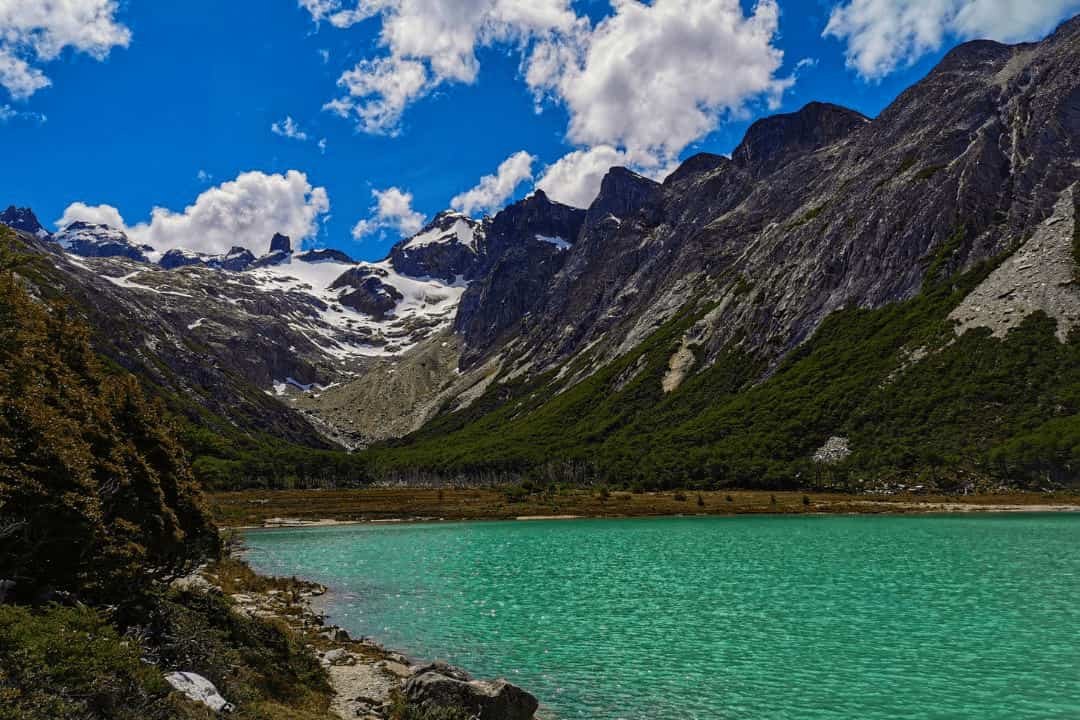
8, 113
639, 86
575, 178
322, 146
379, 91
246, 211
392, 211
37, 31
428, 43
204, 177
493, 190
95, 214
288, 128
654, 78
883, 35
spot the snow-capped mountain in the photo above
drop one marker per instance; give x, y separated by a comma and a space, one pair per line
23, 219
236, 259
90, 240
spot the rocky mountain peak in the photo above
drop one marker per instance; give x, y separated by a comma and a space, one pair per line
699, 164
448, 246
772, 141
280, 243
622, 193
22, 219
93, 240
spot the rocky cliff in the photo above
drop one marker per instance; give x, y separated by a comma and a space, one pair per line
817, 214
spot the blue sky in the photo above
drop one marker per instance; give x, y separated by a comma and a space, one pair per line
168, 100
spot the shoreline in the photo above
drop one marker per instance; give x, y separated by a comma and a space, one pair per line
282, 509
367, 679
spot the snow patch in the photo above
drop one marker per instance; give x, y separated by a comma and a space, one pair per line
558, 242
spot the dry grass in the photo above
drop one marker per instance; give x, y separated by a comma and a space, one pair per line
252, 507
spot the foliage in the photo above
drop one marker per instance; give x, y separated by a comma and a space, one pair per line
69, 663
917, 403
96, 495
254, 662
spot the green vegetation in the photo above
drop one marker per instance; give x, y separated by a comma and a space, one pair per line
810, 216
89, 467
99, 510
929, 171
975, 411
69, 663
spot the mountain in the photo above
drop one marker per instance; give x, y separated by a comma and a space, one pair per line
90, 240
902, 288
23, 219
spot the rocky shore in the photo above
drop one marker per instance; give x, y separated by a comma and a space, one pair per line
369, 681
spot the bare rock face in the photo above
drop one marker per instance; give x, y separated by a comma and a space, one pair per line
280, 243
368, 293
1040, 276
236, 260
817, 211
90, 240
442, 686
23, 219
451, 246
772, 140
527, 245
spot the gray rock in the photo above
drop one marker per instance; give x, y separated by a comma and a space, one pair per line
199, 689
441, 686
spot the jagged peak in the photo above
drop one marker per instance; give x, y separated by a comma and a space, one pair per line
696, 165
773, 139
622, 193
280, 243
24, 219
973, 55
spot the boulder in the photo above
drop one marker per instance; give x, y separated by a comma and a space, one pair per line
443, 686
199, 689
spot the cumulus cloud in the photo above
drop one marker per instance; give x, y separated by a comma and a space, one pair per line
428, 43
493, 190
246, 211
883, 35
379, 90
289, 128
32, 33
654, 78
392, 211
575, 178
639, 86
94, 214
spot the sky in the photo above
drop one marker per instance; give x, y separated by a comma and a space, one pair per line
349, 123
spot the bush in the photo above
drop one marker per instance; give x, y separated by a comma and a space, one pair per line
680, 496
96, 494
69, 663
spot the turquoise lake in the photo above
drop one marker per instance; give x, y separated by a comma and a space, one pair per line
743, 617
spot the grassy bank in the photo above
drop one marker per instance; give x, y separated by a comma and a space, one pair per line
253, 508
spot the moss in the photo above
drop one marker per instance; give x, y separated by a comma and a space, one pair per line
929, 171
809, 217
906, 164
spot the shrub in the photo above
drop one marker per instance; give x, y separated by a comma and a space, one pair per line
69, 663
680, 496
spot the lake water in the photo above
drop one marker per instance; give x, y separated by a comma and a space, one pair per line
743, 617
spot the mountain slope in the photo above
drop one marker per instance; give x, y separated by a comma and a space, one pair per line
723, 325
